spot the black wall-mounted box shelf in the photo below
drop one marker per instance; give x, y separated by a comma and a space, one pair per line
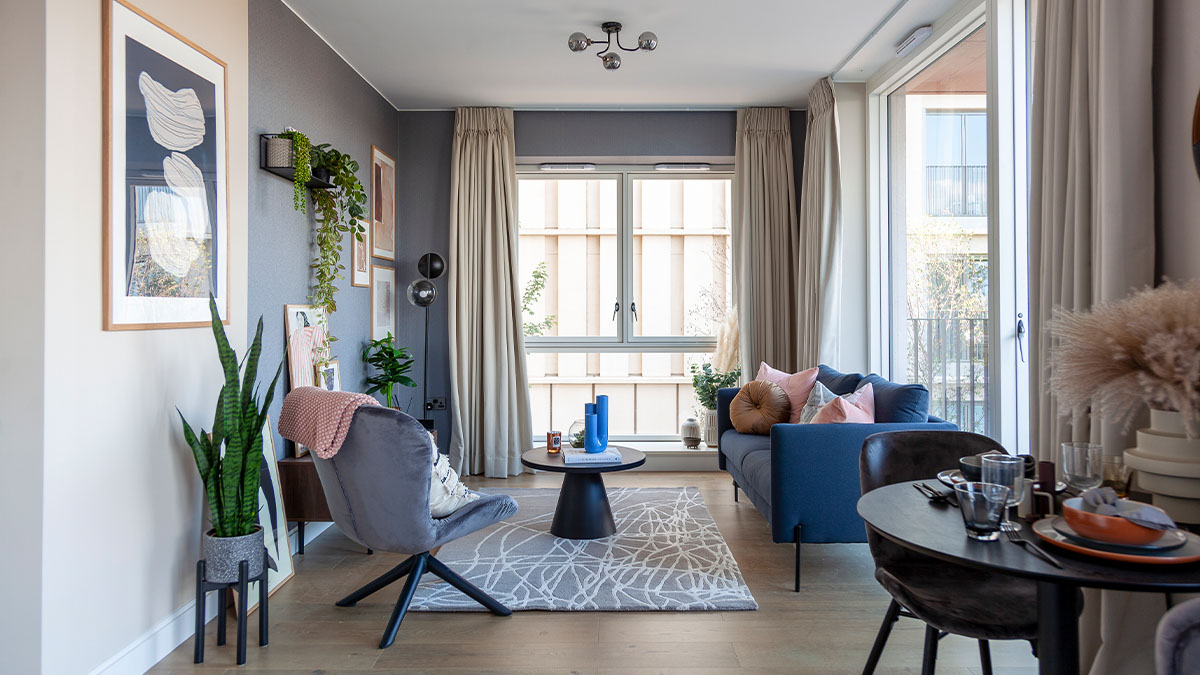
320, 177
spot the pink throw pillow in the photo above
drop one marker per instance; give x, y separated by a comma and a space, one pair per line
856, 408
797, 386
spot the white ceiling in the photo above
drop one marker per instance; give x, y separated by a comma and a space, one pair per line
427, 54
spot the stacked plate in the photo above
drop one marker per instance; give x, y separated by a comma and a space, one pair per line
1174, 547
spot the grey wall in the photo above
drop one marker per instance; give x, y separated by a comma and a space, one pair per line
624, 134
297, 80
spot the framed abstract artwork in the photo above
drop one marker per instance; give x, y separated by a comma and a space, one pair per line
383, 205
383, 302
166, 219
329, 375
360, 272
273, 521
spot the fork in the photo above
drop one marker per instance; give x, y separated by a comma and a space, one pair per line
1015, 537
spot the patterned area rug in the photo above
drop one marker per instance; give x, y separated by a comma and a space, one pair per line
667, 555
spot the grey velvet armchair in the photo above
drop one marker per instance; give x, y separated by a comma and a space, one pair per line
377, 486
1177, 641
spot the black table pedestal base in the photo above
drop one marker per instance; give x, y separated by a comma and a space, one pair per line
1058, 627
583, 511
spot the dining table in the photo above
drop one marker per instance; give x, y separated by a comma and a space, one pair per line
935, 528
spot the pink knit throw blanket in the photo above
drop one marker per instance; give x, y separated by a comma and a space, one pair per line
319, 419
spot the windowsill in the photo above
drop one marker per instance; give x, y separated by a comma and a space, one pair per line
665, 447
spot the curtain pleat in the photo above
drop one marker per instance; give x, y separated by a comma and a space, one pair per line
489, 381
1091, 238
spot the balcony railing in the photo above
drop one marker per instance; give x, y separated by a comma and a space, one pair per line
956, 190
949, 355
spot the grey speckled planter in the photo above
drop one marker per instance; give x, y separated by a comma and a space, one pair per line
222, 555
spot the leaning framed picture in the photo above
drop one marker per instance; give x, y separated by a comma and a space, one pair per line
383, 301
329, 375
166, 218
383, 205
273, 520
360, 273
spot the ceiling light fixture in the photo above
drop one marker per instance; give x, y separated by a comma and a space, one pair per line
611, 60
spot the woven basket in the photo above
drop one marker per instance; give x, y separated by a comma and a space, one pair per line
279, 152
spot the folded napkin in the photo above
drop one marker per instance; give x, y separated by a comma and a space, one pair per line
1103, 501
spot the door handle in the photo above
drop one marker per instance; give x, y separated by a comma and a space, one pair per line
616, 308
1021, 335
633, 308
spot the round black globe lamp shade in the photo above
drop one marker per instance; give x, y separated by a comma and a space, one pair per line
422, 293
431, 265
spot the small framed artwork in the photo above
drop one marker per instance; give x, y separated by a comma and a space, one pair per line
383, 301
306, 327
360, 273
166, 219
383, 205
329, 376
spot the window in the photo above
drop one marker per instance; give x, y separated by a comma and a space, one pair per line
955, 163
625, 277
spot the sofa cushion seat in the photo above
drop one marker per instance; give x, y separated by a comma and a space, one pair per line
736, 446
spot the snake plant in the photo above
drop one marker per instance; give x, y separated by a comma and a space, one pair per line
230, 457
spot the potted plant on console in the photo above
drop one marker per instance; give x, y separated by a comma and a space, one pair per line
229, 459
391, 365
706, 381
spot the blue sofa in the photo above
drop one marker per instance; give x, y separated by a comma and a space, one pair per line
803, 478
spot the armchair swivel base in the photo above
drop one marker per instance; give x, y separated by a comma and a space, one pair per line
414, 568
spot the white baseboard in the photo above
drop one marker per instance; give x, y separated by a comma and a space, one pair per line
153, 646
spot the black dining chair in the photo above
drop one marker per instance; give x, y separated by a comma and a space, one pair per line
949, 598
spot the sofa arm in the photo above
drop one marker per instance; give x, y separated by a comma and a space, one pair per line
814, 478
724, 396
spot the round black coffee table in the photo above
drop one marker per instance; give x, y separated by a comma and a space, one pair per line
583, 511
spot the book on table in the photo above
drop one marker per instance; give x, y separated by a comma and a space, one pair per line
580, 457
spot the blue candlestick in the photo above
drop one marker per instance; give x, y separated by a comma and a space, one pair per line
602, 420
590, 442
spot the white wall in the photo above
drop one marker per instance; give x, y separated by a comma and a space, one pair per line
22, 127
1176, 83
856, 265
122, 514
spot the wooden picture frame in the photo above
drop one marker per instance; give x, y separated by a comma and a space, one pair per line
165, 176
383, 205
328, 375
360, 258
383, 301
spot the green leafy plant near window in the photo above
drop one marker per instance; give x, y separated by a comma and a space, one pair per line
533, 291
339, 210
230, 457
391, 363
301, 164
706, 381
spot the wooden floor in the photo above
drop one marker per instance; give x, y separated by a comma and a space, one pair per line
826, 628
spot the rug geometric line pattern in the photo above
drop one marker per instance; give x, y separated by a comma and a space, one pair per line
666, 555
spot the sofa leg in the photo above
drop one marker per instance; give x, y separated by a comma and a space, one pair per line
735, 491
797, 534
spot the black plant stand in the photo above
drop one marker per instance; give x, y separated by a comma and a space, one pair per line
203, 586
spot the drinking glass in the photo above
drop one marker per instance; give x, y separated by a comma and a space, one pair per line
1008, 471
982, 505
1082, 465
1116, 475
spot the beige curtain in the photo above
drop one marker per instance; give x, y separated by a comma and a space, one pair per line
765, 240
1091, 236
488, 381
819, 272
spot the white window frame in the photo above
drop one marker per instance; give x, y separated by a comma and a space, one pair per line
625, 341
1008, 267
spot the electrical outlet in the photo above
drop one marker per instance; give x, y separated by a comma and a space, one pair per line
435, 404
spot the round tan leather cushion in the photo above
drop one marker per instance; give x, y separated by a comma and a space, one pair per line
757, 406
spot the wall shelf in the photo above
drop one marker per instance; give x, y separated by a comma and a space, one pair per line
320, 177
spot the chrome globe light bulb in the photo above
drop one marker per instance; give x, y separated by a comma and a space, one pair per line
647, 41
611, 61
578, 42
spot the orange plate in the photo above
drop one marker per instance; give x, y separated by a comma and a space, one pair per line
1189, 552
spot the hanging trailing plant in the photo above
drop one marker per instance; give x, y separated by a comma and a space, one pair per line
301, 164
338, 210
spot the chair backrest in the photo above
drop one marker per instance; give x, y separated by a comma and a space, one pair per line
901, 456
377, 485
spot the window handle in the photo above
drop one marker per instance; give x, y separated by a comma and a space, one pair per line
1021, 335
633, 308
616, 308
